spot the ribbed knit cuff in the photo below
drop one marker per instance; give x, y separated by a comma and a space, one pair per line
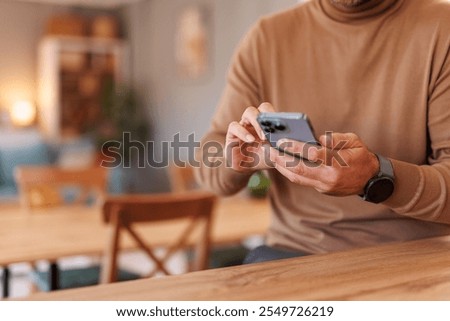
232, 180
409, 183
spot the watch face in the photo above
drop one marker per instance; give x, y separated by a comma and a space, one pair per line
380, 189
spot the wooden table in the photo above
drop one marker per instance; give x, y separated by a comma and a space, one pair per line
418, 270
67, 231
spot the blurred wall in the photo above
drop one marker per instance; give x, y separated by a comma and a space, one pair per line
173, 104
176, 105
21, 26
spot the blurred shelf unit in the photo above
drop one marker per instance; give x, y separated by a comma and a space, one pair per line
73, 73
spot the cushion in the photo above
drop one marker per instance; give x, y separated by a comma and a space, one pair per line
8, 193
115, 180
11, 156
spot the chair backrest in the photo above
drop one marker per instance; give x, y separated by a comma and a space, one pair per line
125, 212
41, 186
182, 178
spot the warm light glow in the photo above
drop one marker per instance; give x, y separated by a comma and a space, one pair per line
23, 113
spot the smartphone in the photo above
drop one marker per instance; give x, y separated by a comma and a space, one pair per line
294, 126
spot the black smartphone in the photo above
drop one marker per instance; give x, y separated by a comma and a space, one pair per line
294, 126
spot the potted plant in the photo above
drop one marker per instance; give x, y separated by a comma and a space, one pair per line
121, 113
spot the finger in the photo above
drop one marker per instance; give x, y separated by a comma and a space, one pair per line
237, 130
296, 165
274, 154
249, 118
247, 114
304, 150
343, 140
266, 108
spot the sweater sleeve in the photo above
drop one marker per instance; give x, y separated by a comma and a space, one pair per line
423, 192
241, 91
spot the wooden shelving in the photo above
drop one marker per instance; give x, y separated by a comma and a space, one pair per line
72, 74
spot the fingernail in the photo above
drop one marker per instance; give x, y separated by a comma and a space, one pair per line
250, 138
282, 141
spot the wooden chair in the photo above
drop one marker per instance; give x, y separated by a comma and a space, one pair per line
125, 213
51, 186
43, 186
182, 179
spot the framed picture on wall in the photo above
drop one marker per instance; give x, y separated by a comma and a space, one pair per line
192, 48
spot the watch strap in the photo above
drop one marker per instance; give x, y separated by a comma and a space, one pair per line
386, 168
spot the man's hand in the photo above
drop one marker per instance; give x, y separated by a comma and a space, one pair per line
246, 148
341, 166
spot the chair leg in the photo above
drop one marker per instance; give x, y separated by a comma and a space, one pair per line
203, 249
108, 272
54, 276
5, 282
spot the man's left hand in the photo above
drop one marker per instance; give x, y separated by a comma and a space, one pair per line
341, 166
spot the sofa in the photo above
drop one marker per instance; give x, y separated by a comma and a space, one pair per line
28, 147
20, 147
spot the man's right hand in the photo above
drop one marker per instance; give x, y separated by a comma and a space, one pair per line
246, 148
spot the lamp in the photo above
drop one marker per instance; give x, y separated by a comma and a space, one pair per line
23, 113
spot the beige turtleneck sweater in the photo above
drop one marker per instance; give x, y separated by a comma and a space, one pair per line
382, 71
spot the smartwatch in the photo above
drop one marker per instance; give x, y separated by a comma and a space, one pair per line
380, 187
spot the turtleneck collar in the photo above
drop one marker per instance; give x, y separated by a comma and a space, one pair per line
367, 10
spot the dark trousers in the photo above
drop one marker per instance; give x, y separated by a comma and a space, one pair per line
265, 253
